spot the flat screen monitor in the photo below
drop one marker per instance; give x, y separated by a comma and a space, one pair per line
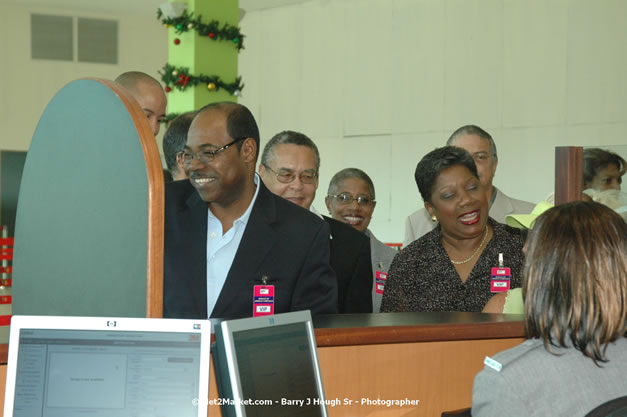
107, 367
268, 367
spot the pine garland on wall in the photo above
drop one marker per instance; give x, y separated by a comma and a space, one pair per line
180, 78
212, 30
174, 15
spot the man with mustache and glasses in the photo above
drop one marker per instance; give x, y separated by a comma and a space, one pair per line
289, 168
232, 248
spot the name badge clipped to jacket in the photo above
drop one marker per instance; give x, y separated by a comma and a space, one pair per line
500, 276
263, 299
380, 279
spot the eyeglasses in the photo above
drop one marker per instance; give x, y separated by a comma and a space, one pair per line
205, 156
286, 176
481, 157
345, 199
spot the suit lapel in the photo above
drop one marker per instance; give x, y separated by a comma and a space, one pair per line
257, 241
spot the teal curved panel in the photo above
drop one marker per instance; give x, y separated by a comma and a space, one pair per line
82, 216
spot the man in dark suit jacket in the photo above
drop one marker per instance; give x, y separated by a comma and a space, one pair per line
289, 168
261, 238
350, 259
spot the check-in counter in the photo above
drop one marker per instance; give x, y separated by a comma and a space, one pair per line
404, 364
397, 364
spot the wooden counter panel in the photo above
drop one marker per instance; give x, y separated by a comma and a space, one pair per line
438, 374
3, 380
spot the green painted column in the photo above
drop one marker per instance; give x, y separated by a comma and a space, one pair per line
204, 56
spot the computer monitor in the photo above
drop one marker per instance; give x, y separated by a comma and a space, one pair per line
268, 366
107, 367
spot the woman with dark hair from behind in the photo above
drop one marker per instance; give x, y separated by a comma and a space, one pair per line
575, 290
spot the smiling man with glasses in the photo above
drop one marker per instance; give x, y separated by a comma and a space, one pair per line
228, 239
289, 168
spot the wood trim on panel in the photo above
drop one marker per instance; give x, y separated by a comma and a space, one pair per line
326, 337
568, 174
154, 172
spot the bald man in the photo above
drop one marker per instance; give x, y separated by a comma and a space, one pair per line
148, 92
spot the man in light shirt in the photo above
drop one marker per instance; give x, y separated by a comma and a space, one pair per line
227, 236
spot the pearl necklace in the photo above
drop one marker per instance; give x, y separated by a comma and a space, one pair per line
485, 235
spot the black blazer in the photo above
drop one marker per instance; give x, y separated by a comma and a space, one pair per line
282, 241
350, 259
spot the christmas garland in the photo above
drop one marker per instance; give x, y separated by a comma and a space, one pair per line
187, 22
180, 78
169, 117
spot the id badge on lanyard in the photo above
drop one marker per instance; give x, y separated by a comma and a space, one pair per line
500, 277
380, 279
263, 299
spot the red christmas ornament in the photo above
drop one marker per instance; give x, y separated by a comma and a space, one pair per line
212, 35
183, 80
177, 41
167, 89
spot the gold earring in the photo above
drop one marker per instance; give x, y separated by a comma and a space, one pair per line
434, 219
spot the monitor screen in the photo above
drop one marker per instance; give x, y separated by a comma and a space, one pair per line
276, 364
268, 367
64, 373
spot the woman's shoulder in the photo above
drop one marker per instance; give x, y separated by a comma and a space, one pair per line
420, 250
424, 243
516, 358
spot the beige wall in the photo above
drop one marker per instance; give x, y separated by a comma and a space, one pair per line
378, 83
26, 85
